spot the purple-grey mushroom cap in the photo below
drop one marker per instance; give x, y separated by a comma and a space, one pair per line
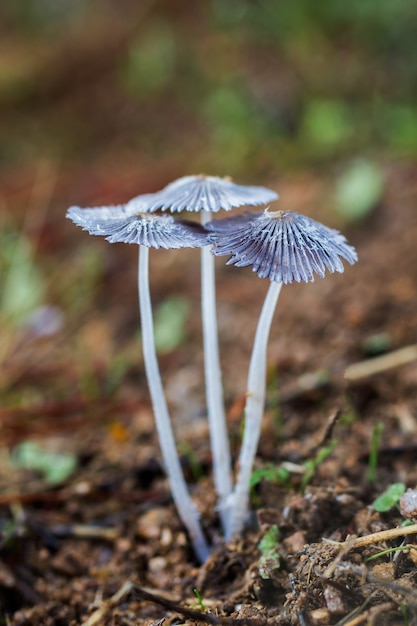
283, 246
202, 193
122, 224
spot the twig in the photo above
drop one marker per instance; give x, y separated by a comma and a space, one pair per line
363, 369
85, 531
195, 615
383, 535
353, 542
328, 432
368, 616
100, 614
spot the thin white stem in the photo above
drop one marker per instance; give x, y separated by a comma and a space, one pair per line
214, 391
255, 402
185, 506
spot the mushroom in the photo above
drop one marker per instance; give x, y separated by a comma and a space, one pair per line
126, 224
284, 247
209, 194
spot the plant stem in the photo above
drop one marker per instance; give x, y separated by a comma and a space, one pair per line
185, 506
215, 404
255, 402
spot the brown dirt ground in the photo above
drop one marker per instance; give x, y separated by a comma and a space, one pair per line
83, 552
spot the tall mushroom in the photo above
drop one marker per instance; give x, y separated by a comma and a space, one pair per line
126, 224
284, 247
209, 194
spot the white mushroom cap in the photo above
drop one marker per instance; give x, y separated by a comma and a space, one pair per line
121, 224
202, 193
282, 246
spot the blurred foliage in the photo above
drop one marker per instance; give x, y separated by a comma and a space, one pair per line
249, 88
170, 324
374, 452
389, 498
269, 549
54, 466
151, 61
359, 189
42, 15
22, 285
378, 343
227, 87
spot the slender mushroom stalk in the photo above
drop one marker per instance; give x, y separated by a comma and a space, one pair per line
119, 224
210, 194
284, 247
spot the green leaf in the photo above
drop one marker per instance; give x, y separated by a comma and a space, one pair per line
389, 498
359, 190
268, 547
268, 543
270, 473
55, 467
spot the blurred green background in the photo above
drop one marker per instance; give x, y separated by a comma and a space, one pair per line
241, 87
101, 100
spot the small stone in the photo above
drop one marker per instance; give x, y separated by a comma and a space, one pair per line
166, 537
333, 600
124, 544
408, 504
320, 617
149, 526
295, 542
384, 571
157, 565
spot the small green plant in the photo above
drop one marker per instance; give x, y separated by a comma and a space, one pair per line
389, 498
390, 551
270, 473
373, 454
311, 465
55, 467
200, 600
268, 547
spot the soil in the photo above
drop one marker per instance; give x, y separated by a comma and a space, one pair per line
106, 546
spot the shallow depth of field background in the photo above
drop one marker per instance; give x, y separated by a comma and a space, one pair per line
103, 100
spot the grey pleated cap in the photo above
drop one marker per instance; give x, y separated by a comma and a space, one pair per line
203, 193
282, 246
122, 224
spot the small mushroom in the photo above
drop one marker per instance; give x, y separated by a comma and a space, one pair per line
126, 224
284, 247
209, 194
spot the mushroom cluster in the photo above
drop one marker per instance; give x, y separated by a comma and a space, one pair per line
282, 246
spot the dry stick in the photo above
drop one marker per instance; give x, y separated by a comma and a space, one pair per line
352, 543
383, 535
85, 531
196, 615
363, 369
185, 506
98, 616
353, 619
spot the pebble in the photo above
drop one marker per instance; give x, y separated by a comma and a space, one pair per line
384, 571
408, 504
